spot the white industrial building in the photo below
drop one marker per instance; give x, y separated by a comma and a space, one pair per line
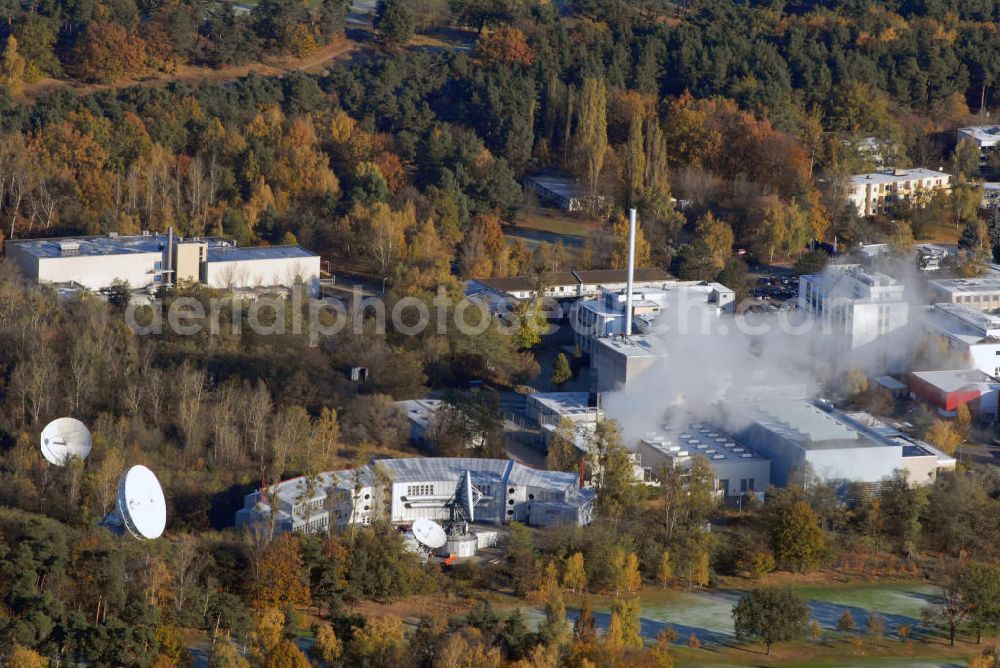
604, 316
971, 337
738, 470
981, 293
985, 138
880, 192
855, 307
839, 447
148, 260
549, 408
229, 267
404, 490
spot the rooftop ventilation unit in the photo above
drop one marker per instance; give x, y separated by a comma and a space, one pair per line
69, 247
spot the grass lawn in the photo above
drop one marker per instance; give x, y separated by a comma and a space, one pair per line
553, 221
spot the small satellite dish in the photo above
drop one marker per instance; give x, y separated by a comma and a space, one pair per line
429, 534
141, 507
64, 438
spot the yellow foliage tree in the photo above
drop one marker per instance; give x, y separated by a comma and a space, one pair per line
225, 654
380, 643
24, 657
327, 647
575, 576
943, 435
963, 421
631, 578
665, 573
12, 68
619, 256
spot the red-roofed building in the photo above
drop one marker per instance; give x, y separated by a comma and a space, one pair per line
947, 390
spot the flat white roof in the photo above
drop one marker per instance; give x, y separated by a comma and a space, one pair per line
637, 345
957, 380
963, 285
896, 175
564, 403
956, 328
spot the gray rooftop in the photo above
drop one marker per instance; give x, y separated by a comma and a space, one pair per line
986, 135
92, 246
242, 253
564, 403
484, 471
957, 380
962, 285
219, 250
560, 184
698, 439
812, 425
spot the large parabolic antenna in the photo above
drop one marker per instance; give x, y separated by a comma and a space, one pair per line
468, 495
429, 534
64, 438
141, 506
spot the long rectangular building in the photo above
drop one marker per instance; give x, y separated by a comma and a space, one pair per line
147, 261
404, 490
797, 435
881, 192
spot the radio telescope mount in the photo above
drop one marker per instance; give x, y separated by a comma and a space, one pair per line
64, 438
140, 507
428, 533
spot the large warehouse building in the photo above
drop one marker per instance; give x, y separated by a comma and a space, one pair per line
149, 260
836, 446
404, 490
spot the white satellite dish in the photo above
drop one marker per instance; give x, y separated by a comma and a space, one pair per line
140, 506
64, 438
468, 498
429, 534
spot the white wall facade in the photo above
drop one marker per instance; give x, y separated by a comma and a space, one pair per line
100, 271
264, 272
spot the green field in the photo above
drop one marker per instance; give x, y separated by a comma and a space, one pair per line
707, 615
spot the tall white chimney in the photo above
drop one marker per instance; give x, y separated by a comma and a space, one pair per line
631, 271
170, 257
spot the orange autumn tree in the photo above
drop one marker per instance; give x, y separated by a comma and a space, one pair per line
504, 46
108, 52
280, 577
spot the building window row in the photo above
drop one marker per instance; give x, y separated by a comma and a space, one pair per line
420, 490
